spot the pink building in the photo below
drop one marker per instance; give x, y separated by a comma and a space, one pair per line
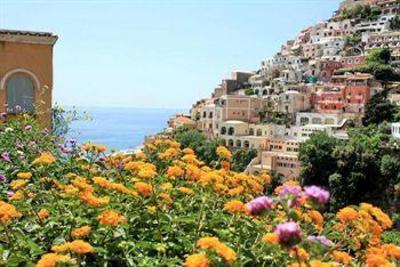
352, 61
347, 94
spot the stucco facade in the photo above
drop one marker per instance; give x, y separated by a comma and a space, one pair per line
29, 54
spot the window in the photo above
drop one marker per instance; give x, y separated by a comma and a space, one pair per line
20, 94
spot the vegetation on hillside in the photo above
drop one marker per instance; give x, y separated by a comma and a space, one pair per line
361, 12
364, 168
206, 149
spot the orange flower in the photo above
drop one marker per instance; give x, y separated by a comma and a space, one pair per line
144, 189
100, 148
166, 198
342, 257
81, 232
51, 260
43, 213
7, 213
271, 238
299, 253
225, 165
111, 218
316, 218
24, 175
45, 158
207, 242
147, 173
347, 215
226, 252
175, 171
234, 206
375, 260
223, 250
224, 153
188, 150
77, 246
166, 186
87, 197
197, 260
186, 190
18, 195
18, 184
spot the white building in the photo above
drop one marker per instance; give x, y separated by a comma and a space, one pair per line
396, 129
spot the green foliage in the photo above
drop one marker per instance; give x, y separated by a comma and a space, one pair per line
196, 140
19, 141
361, 12
392, 237
395, 23
317, 152
379, 109
241, 159
378, 55
352, 40
249, 91
361, 169
62, 119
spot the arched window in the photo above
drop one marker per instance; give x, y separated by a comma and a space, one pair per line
259, 132
20, 94
251, 131
246, 144
230, 142
223, 130
231, 131
238, 143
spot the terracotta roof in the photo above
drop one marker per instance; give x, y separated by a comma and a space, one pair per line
32, 37
185, 120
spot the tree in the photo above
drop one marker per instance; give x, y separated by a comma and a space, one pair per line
378, 55
379, 109
316, 155
241, 159
394, 23
249, 91
364, 168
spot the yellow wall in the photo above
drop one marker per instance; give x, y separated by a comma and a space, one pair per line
36, 58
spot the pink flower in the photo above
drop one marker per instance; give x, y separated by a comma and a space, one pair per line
289, 233
317, 194
5, 156
293, 190
257, 205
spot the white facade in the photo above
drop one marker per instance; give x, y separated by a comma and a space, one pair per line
396, 129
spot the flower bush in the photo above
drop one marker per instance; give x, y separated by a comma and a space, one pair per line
69, 205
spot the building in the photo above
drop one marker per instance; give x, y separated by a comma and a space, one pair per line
181, 120
352, 61
26, 74
380, 40
349, 94
396, 129
238, 107
382, 24
280, 157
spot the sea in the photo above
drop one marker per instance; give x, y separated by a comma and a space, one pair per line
119, 128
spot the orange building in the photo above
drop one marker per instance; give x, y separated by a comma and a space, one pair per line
26, 74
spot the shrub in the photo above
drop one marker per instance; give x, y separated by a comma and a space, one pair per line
72, 206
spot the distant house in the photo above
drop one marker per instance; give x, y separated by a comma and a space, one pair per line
26, 74
181, 120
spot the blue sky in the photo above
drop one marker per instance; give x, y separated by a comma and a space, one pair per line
164, 54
